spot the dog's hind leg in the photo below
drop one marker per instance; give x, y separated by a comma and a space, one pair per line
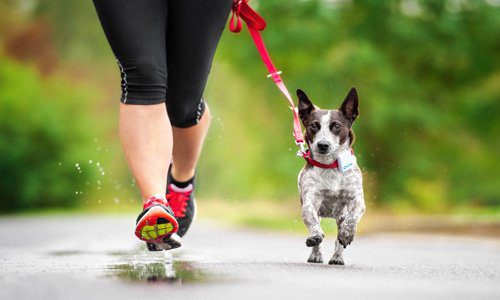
315, 256
337, 258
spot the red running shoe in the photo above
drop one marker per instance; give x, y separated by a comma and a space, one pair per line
183, 204
157, 226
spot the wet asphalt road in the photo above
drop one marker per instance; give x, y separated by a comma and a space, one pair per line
97, 257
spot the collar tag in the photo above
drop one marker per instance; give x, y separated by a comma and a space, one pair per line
346, 161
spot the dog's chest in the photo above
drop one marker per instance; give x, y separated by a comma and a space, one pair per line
322, 180
330, 188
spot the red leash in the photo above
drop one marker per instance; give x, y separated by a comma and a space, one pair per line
255, 24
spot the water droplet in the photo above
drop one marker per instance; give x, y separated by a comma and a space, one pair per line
117, 201
60, 163
90, 161
77, 165
103, 173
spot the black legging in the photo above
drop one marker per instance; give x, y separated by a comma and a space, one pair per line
164, 50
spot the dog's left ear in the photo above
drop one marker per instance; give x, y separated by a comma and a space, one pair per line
350, 105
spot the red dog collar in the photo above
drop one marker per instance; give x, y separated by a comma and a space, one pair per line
310, 160
307, 156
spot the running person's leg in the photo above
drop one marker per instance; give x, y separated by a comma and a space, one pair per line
136, 32
194, 30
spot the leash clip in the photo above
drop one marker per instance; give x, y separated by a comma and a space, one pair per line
302, 149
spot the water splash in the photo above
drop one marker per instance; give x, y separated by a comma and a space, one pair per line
157, 267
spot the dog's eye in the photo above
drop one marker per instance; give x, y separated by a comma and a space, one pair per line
314, 127
335, 126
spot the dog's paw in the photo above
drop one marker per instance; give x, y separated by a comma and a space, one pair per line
336, 260
314, 240
315, 257
345, 237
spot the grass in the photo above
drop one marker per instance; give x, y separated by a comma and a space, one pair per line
285, 216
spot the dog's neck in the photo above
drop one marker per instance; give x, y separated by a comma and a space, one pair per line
330, 158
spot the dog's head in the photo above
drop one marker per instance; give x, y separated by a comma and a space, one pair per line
328, 130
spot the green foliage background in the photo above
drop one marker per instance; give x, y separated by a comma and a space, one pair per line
428, 75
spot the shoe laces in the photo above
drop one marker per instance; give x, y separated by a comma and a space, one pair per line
155, 200
178, 200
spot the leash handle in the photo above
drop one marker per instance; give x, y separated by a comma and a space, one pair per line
255, 24
241, 9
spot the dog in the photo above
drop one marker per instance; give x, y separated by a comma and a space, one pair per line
327, 191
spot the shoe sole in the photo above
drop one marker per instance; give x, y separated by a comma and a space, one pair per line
170, 242
156, 225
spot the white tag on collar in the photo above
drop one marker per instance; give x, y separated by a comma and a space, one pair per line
346, 160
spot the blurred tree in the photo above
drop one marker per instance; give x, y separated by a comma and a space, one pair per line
427, 72
42, 139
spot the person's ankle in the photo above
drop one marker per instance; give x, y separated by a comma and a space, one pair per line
181, 176
154, 199
181, 181
182, 184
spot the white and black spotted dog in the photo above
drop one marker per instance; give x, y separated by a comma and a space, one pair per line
325, 190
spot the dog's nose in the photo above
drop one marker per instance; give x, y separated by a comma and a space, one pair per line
323, 147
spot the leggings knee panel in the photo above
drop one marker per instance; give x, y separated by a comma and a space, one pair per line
143, 81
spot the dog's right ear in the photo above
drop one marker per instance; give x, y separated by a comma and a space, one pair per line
305, 105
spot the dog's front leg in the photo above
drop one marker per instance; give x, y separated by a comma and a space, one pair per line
348, 222
310, 207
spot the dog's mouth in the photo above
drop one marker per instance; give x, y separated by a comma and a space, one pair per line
323, 153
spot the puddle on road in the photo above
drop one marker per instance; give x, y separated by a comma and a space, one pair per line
144, 266
170, 272
158, 267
